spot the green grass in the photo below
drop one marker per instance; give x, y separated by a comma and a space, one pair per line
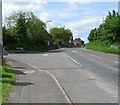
6, 80
103, 47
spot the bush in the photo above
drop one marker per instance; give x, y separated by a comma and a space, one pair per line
38, 48
103, 46
6, 81
52, 47
7, 75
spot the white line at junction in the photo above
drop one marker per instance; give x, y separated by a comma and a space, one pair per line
45, 54
116, 61
96, 56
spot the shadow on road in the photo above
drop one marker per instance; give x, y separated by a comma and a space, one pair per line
19, 67
18, 72
22, 83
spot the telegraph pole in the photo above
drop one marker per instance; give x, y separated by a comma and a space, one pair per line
1, 41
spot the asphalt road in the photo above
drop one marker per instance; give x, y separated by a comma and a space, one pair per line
86, 76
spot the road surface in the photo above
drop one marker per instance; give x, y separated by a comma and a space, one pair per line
86, 76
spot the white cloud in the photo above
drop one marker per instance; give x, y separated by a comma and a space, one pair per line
85, 0
62, 0
83, 25
9, 7
72, 6
44, 16
69, 10
38, 8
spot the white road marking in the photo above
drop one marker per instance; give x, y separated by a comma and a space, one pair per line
116, 61
74, 51
12, 55
45, 54
92, 78
32, 66
74, 60
30, 71
61, 88
96, 56
10, 62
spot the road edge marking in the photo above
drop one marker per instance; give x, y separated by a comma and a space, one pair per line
95, 56
116, 62
57, 82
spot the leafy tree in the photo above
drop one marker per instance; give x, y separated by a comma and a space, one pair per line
36, 30
60, 35
112, 26
92, 34
107, 31
25, 29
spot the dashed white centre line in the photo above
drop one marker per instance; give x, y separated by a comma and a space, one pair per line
73, 60
45, 54
116, 61
74, 51
96, 56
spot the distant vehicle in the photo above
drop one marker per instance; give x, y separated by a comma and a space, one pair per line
20, 49
5, 50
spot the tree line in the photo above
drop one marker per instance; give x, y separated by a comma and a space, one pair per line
108, 31
24, 29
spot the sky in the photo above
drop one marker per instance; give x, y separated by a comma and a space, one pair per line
80, 17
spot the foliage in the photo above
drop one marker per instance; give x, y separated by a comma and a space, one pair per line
106, 35
23, 29
103, 47
79, 41
109, 30
8, 77
60, 35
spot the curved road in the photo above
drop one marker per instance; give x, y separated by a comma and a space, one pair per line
86, 76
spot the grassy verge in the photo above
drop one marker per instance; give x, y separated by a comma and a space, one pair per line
103, 47
6, 80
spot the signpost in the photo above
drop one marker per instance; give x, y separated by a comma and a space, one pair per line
1, 42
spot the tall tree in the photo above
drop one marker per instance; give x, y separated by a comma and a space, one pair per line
107, 31
26, 29
60, 35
